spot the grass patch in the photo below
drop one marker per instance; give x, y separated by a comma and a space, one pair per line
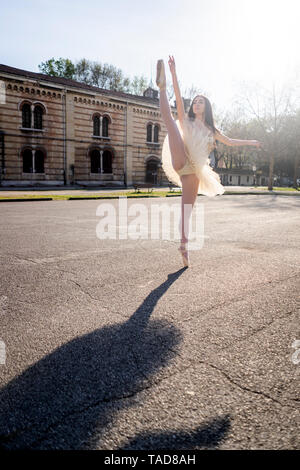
129, 194
133, 194
275, 188
112, 195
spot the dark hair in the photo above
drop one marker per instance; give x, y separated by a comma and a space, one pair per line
208, 114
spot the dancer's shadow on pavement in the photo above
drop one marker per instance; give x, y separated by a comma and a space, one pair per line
208, 435
67, 399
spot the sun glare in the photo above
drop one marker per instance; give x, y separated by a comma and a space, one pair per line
270, 38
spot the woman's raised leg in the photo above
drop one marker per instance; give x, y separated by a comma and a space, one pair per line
175, 140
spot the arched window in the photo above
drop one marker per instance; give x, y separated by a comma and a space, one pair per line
107, 161
105, 123
27, 161
95, 161
97, 125
26, 116
149, 133
39, 161
38, 117
156, 133
33, 161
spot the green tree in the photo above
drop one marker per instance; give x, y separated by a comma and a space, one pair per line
82, 71
97, 74
270, 109
139, 85
58, 68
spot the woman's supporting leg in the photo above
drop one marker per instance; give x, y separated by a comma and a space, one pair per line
175, 140
190, 184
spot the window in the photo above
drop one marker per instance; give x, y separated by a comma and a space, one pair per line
152, 133
101, 125
27, 161
149, 133
107, 162
26, 116
97, 126
32, 116
156, 133
101, 161
105, 122
33, 161
39, 161
38, 117
95, 161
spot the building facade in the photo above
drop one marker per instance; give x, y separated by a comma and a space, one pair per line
55, 131
242, 177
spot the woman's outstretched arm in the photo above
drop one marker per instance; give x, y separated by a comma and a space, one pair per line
236, 142
179, 101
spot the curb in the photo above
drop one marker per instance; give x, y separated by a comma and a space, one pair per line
27, 199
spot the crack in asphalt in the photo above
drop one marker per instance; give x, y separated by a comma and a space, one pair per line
242, 387
258, 330
238, 298
153, 383
207, 310
83, 409
22, 258
158, 382
86, 293
141, 389
40, 263
246, 389
18, 431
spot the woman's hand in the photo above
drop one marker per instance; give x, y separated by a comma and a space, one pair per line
171, 63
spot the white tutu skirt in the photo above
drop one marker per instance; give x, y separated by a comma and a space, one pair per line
197, 142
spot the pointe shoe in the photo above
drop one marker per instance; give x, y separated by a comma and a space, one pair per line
185, 255
160, 75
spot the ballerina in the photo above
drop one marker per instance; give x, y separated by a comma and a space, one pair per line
186, 149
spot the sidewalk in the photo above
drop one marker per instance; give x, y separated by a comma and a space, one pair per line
75, 191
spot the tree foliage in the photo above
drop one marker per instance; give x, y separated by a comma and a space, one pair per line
58, 68
271, 116
93, 73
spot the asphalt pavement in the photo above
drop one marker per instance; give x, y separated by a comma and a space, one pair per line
111, 344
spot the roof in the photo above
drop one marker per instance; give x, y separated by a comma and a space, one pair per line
66, 82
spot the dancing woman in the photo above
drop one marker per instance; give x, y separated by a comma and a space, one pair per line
186, 149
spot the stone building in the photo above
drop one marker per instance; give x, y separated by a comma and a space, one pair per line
55, 131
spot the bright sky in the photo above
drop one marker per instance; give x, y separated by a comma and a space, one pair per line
216, 43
